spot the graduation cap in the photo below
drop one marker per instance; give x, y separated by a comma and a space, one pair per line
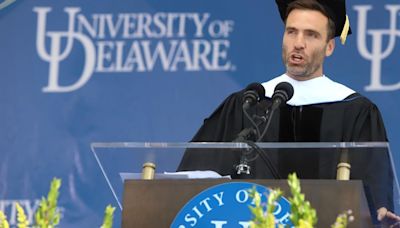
336, 10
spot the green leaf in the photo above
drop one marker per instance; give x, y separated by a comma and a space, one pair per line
302, 212
262, 215
108, 217
47, 214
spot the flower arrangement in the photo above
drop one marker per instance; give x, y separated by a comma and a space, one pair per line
47, 215
302, 213
264, 217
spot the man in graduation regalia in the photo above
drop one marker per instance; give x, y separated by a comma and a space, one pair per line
320, 110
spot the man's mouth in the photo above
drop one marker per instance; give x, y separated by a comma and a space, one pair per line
296, 58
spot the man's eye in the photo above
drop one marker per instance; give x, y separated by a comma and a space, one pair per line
313, 35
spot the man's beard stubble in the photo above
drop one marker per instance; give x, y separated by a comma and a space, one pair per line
311, 65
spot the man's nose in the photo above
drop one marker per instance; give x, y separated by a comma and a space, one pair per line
299, 42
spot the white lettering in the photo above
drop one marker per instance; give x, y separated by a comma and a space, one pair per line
242, 196
196, 210
10, 209
218, 224
89, 28
284, 219
201, 50
114, 43
220, 54
182, 56
245, 224
159, 53
200, 22
135, 58
104, 53
218, 196
278, 209
205, 203
190, 219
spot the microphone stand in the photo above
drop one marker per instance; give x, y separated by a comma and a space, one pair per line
282, 93
244, 136
243, 167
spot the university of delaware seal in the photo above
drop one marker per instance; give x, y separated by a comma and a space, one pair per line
227, 205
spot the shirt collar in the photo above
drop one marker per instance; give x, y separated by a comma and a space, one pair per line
314, 91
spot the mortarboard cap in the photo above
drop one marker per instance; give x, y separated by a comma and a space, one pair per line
336, 10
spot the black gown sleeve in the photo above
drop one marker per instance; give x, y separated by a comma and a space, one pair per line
372, 166
222, 126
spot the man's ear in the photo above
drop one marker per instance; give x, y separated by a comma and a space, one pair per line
330, 47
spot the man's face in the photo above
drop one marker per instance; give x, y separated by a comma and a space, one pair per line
305, 44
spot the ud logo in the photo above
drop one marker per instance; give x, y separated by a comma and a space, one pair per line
377, 52
227, 205
55, 55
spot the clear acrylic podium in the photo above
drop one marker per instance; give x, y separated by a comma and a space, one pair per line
119, 160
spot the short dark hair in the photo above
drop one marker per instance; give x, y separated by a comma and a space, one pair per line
312, 5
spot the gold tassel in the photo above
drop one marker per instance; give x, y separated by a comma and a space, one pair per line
345, 30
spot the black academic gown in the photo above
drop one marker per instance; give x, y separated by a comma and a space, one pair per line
355, 119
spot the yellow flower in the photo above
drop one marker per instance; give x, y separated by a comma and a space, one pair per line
304, 224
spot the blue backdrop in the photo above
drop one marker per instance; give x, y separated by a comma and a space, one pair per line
75, 72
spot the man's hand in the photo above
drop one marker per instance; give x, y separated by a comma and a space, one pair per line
388, 217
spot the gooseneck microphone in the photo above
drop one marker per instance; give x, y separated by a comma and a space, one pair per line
253, 93
282, 93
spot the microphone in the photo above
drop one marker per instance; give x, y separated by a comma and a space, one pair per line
282, 93
253, 93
